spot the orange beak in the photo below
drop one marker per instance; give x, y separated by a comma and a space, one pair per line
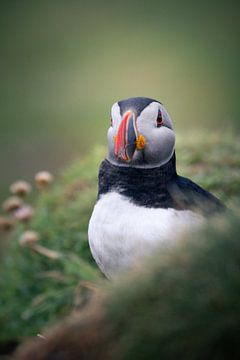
125, 143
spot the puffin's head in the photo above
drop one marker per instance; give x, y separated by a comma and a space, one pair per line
141, 133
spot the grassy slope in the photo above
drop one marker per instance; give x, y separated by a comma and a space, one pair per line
36, 291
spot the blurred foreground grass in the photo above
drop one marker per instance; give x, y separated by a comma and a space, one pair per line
35, 290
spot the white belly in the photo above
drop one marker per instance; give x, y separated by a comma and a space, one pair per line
120, 232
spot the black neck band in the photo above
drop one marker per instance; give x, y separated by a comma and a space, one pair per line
145, 187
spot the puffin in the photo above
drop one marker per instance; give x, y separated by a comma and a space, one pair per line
142, 202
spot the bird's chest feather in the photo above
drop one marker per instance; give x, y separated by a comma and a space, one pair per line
120, 232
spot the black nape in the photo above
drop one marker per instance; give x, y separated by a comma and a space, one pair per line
136, 103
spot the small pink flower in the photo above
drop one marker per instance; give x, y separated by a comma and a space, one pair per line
28, 238
12, 203
43, 179
20, 188
24, 213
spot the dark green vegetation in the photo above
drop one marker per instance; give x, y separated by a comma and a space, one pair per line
37, 290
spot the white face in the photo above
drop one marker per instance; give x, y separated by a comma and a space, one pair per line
154, 125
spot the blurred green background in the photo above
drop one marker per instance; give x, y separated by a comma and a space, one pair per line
63, 64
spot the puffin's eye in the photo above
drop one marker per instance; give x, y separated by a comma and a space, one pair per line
159, 119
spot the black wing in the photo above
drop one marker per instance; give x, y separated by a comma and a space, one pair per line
190, 196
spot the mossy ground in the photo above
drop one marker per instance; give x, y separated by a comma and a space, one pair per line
35, 290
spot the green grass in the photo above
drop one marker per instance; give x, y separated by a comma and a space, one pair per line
37, 291
34, 289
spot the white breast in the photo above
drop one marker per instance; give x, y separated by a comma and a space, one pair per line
120, 232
